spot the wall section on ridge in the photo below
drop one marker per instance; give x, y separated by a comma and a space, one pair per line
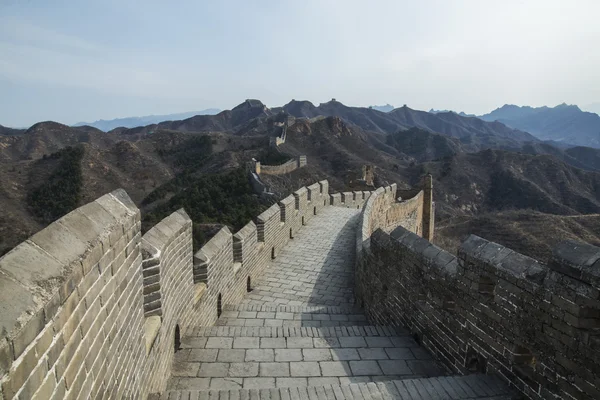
384, 210
493, 310
89, 306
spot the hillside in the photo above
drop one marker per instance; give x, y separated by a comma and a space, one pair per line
10, 131
563, 123
496, 180
530, 233
481, 169
45, 138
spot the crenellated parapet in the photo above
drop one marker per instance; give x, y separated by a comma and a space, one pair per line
282, 169
89, 306
493, 310
385, 209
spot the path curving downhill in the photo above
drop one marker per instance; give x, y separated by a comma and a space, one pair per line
299, 335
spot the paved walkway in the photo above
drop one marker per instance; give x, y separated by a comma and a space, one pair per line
299, 329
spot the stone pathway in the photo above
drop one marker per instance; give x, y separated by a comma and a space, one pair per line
298, 335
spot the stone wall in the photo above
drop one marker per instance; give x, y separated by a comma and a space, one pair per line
71, 300
170, 291
493, 310
89, 307
384, 210
282, 169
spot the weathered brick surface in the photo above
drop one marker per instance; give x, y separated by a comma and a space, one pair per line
86, 264
282, 169
492, 309
76, 328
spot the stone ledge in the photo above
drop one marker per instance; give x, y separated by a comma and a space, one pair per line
151, 329
199, 290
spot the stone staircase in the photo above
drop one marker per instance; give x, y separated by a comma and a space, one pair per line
297, 335
438, 388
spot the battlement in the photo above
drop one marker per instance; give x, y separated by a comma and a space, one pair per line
89, 305
282, 169
491, 309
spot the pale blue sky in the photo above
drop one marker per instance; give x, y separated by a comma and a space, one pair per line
73, 60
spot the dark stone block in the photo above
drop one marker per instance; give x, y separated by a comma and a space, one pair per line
471, 246
442, 259
431, 252
420, 245
571, 258
399, 233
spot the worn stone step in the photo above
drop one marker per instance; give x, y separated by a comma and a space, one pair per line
296, 323
450, 387
318, 309
270, 331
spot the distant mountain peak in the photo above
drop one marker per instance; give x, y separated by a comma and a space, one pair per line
563, 123
134, 122
386, 108
250, 103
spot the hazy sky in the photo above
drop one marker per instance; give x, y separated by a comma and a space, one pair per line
77, 60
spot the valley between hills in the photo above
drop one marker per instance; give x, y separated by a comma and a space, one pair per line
490, 179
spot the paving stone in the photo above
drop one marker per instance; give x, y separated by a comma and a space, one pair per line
326, 342
243, 369
259, 383
291, 382
299, 342
399, 353
306, 368
395, 367
352, 341
230, 355
204, 355
217, 370
344, 354
335, 368
276, 369
192, 383
272, 343
219, 343
185, 369
316, 354
323, 381
193, 342
246, 343
376, 353
347, 380
288, 355
226, 383
365, 368
259, 355
375, 341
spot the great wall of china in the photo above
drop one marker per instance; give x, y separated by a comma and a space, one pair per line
91, 308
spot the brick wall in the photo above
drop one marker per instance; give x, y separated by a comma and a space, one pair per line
72, 298
282, 169
168, 248
90, 309
493, 310
384, 209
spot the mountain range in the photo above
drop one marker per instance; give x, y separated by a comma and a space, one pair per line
564, 123
484, 171
132, 122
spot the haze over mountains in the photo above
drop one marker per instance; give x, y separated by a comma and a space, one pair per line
564, 123
132, 122
484, 171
